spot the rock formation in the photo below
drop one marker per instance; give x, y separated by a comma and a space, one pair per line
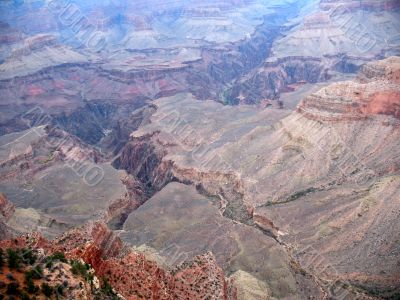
377, 91
130, 273
335, 157
159, 143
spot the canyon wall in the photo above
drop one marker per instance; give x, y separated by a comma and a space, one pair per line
335, 157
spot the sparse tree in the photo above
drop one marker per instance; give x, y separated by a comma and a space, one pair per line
13, 258
47, 290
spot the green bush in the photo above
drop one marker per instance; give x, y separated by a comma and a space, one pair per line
25, 296
107, 289
30, 286
59, 290
29, 256
79, 268
59, 256
13, 258
1, 258
49, 264
46, 289
37, 272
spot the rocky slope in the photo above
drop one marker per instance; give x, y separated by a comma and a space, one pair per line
252, 52
292, 205
267, 192
34, 166
7, 209
131, 274
330, 39
336, 157
376, 92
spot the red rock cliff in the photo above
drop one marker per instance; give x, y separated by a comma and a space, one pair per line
375, 91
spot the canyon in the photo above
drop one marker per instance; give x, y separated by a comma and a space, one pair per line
221, 149
302, 179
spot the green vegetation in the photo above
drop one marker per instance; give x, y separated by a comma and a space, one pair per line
28, 256
57, 256
299, 194
31, 288
50, 157
34, 284
107, 290
228, 100
37, 272
25, 296
90, 278
79, 268
59, 290
46, 289
14, 259
1, 258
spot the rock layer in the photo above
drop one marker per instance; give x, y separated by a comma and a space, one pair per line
377, 91
336, 157
131, 274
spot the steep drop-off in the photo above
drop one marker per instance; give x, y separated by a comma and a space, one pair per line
336, 157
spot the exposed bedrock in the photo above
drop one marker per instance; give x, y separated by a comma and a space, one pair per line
306, 178
132, 274
70, 90
273, 78
35, 162
7, 209
375, 92
83, 99
145, 158
376, 5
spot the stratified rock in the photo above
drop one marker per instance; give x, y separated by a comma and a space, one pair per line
7, 209
306, 178
131, 274
377, 91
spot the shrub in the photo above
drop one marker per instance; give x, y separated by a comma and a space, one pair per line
29, 256
12, 289
107, 289
46, 289
37, 272
59, 256
78, 268
89, 278
1, 258
14, 259
49, 264
25, 296
30, 286
59, 289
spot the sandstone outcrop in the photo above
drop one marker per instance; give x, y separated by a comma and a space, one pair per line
131, 274
7, 209
377, 91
